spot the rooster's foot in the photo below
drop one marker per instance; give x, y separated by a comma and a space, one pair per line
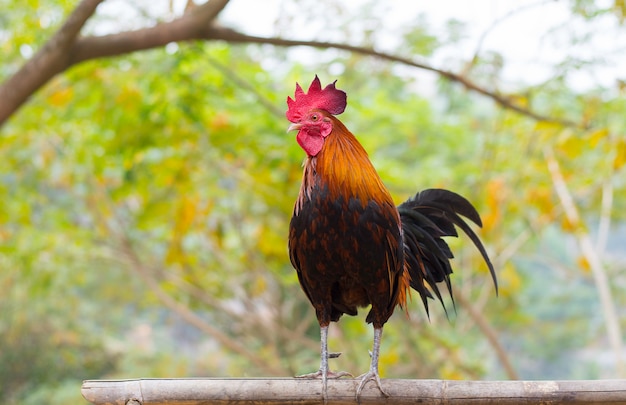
371, 375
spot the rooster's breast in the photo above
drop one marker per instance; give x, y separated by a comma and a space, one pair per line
344, 248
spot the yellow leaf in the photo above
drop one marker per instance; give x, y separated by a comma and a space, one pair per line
547, 129
596, 136
186, 214
573, 146
519, 100
129, 96
61, 97
175, 253
541, 198
389, 357
270, 242
509, 280
259, 286
568, 226
449, 372
583, 263
620, 156
496, 194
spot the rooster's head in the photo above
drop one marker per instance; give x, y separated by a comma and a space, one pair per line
310, 114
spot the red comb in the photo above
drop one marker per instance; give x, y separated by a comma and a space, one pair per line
330, 99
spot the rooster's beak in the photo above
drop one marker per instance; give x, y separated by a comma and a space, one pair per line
293, 127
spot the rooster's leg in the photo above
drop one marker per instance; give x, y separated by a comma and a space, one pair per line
324, 372
373, 373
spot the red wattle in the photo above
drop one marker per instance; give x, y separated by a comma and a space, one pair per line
312, 144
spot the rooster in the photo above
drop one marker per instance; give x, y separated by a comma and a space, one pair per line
349, 243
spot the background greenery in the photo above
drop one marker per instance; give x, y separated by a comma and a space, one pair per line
145, 202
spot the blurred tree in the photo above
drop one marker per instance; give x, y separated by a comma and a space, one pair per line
146, 196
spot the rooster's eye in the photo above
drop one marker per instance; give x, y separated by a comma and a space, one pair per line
314, 117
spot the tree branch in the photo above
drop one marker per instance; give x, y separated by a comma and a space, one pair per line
491, 335
51, 59
146, 274
190, 26
255, 322
66, 48
197, 23
178, 30
232, 36
590, 253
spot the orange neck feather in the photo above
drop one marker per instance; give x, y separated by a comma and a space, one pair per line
344, 166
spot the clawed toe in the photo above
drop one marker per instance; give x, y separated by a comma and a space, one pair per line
367, 377
325, 376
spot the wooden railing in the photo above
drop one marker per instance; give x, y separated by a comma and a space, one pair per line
263, 391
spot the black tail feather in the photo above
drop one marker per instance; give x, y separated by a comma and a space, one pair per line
426, 218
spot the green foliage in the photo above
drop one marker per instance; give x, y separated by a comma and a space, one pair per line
590, 9
419, 40
24, 27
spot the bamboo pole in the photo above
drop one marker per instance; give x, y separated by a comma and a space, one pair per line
280, 391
